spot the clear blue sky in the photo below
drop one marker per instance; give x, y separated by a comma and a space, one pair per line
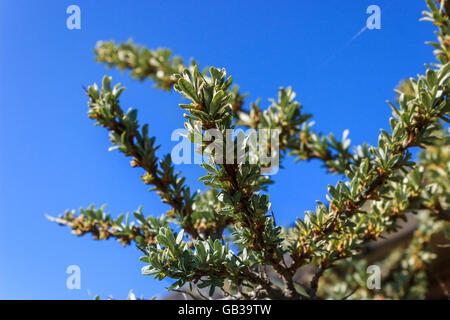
52, 157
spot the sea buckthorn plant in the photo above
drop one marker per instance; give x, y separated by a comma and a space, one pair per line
223, 242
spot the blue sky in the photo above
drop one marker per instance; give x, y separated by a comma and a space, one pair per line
52, 157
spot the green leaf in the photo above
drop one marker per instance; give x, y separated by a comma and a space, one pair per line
162, 240
180, 237
188, 90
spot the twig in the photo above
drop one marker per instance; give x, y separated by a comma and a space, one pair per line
350, 294
315, 282
184, 292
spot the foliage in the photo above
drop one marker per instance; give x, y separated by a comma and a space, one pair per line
226, 237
